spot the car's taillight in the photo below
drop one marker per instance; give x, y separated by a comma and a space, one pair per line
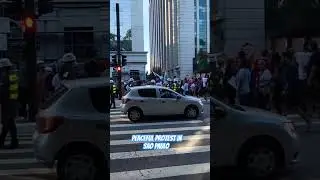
49, 124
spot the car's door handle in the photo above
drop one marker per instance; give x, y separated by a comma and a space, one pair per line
163, 101
141, 101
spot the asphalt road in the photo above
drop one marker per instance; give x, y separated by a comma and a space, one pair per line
189, 159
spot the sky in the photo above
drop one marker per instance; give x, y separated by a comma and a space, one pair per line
146, 31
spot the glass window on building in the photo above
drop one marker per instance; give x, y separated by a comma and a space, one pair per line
125, 25
203, 3
80, 41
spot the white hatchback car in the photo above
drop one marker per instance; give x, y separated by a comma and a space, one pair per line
143, 101
257, 141
71, 132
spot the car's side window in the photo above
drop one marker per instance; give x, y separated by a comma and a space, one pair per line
100, 98
164, 93
150, 92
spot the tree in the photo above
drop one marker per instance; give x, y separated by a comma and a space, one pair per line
128, 35
202, 61
113, 37
202, 42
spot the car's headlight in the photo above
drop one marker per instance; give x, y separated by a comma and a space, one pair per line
289, 127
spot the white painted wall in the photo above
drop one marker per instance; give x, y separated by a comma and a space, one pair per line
135, 61
137, 27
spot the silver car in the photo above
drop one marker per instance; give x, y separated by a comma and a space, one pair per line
71, 130
143, 101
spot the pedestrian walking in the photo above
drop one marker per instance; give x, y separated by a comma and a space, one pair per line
229, 82
243, 79
9, 106
264, 78
113, 93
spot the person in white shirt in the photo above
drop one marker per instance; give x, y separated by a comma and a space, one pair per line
264, 84
243, 79
302, 59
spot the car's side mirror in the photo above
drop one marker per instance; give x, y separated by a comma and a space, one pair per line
178, 97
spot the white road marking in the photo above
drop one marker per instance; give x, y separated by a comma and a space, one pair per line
118, 116
13, 151
185, 138
163, 172
152, 153
18, 161
156, 123
27, 171
160, 130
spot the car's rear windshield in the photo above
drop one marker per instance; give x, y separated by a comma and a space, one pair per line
51, 99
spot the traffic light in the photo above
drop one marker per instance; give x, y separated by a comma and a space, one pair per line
114, 60
44, 7
118, 69
124, 60
29, 24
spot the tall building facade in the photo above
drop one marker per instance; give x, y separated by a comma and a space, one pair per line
172, 42
132, 37
202, 25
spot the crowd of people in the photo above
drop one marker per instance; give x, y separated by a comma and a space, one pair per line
280, 82
272, 81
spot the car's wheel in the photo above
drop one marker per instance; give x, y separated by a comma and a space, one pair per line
135, 114
79, 166
260, 160
191, 112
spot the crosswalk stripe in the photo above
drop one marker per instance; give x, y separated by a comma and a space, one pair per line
163, 172
15, 151
18, 161
27, 171
115, 113
118, 116
156, 123
23, 142
185, 138
160, 130
150, 153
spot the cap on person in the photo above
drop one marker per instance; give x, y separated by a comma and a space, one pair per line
111, 81
68, 57
49, 69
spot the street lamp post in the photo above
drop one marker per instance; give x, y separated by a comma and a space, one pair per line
31, 58
118, 49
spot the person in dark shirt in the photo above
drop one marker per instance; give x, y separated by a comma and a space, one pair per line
314, 76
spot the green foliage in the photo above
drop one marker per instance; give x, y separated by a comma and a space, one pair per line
125, 42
